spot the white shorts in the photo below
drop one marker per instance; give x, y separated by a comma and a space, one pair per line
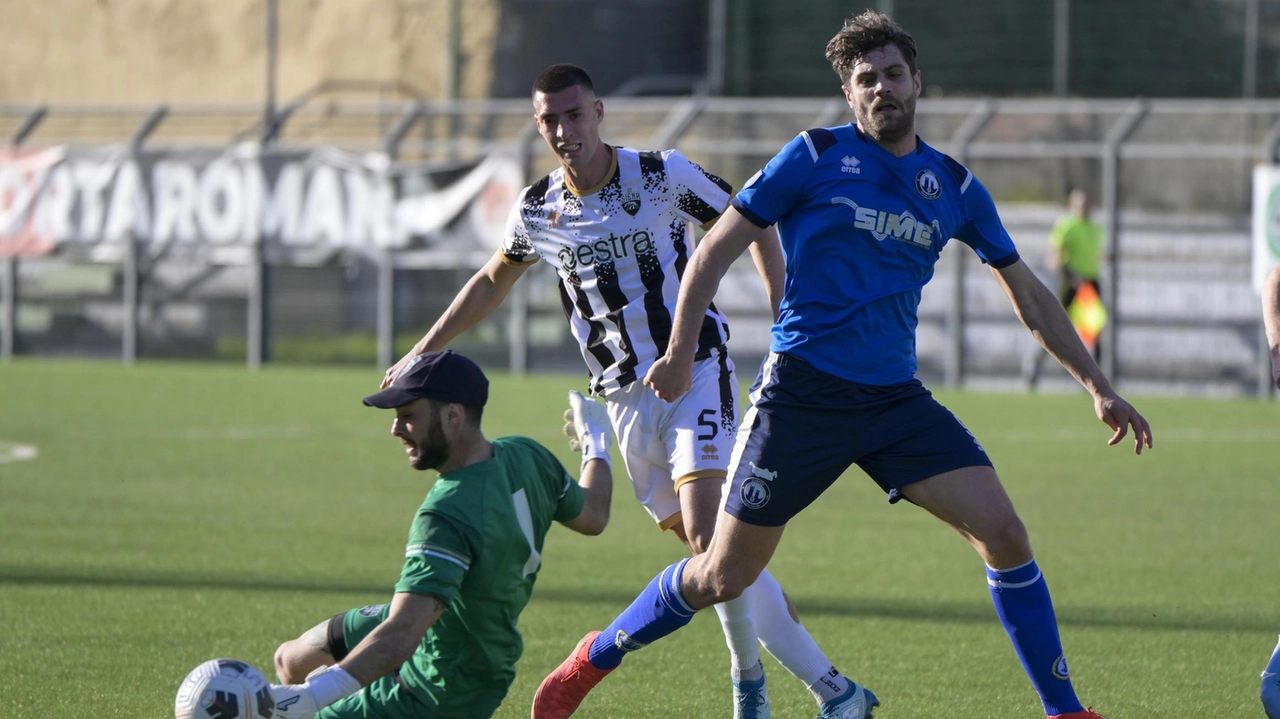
665, 445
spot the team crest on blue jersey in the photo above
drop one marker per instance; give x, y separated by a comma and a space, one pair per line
927, 185
631, 202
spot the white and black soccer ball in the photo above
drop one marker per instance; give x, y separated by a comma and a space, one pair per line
224, 689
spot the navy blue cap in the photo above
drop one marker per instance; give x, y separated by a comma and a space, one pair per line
443, 376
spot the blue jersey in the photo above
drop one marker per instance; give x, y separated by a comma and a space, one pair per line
862, 231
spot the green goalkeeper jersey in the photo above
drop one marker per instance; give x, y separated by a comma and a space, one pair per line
476, 543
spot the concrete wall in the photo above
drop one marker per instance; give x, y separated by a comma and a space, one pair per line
149, 51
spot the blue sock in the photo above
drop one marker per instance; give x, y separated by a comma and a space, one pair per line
1026, 611
658, 611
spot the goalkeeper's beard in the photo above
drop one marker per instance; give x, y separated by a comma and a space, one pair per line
432, 451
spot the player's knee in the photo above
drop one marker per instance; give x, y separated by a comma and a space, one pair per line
287, 667
730, 582
1006, 542
1271, 696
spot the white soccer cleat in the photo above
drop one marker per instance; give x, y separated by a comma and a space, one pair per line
751, 700
856, 703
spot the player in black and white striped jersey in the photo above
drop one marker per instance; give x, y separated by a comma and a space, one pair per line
615, 223
620, 248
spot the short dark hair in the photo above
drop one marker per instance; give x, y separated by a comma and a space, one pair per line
562, 76
863, 33
473, 412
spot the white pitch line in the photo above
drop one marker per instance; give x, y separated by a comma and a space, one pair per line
17, 452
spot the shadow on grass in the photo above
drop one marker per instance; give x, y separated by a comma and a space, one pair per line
853, 607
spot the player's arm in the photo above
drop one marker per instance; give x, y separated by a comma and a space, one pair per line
596, 482
766, 253
394, 641
587, 425
384, 650
482, 294
672, 374
1271, 318
1041, 312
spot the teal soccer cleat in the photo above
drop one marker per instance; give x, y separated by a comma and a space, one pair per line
750, 700
856, 703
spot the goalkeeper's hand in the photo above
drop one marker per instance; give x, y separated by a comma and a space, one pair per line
587, 425
323, 687
293, 701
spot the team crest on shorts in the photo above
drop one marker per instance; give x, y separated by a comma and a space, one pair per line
631, 202
755, 491
372, 610
927, 185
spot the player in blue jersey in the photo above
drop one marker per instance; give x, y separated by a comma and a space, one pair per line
863, 212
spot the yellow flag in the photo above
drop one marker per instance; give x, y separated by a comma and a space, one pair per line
1087, 314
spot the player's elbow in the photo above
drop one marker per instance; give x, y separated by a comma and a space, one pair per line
594, 521
593, 518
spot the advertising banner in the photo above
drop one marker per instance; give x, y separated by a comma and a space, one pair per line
217, 205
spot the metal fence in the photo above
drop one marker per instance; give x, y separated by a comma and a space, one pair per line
1172, 177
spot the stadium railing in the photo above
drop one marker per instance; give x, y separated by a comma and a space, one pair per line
1174, 169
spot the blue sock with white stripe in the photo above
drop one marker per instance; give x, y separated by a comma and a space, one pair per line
1022, 602
658, 611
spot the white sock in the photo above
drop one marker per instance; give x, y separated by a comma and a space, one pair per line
740, 635
783, 637
829, 686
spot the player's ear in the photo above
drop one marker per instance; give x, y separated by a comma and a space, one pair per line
848, 96
455, 414
599, 105
916, 80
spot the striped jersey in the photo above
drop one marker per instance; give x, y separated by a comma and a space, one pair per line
620, 250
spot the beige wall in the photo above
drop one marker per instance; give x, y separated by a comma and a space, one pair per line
148, 51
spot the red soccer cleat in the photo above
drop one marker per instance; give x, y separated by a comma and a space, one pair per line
1086, 714
564, 689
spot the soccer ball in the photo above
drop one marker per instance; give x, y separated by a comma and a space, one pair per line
224, 689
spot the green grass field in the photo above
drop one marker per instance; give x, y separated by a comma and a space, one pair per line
178, 513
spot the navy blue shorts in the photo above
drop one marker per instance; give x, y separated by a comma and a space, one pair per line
805, 427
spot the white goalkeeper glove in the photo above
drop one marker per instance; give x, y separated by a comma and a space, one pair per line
587, 425
322, 687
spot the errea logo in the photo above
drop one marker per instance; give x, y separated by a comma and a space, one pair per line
850, 165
